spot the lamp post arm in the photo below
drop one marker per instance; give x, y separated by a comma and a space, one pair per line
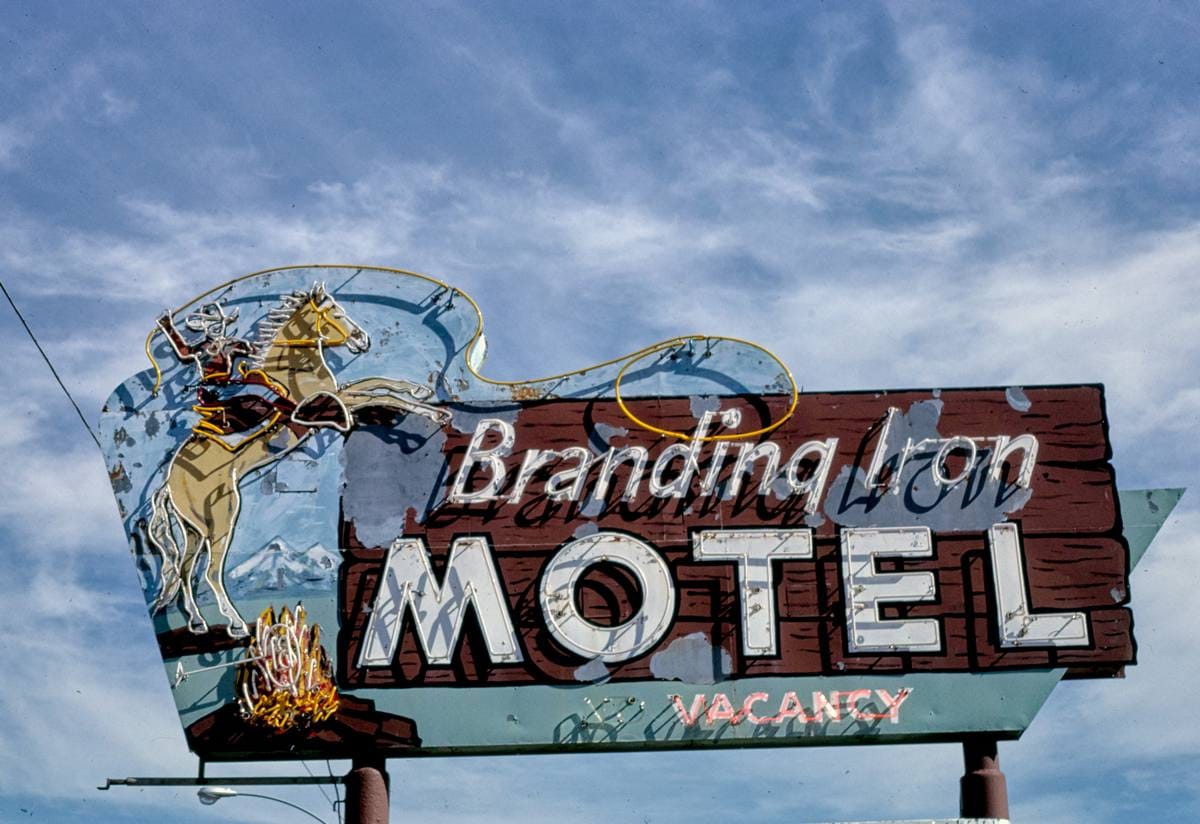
281, 801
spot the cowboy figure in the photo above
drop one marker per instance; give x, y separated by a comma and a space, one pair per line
214, 355
233, 402
237, 403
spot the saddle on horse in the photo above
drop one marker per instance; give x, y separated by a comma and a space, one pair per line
235, 412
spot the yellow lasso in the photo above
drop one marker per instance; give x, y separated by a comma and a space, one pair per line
626, 361
154, 361
636, 357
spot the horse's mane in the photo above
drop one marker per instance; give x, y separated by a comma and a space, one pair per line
270, 325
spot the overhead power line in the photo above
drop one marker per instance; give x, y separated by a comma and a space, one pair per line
53, 371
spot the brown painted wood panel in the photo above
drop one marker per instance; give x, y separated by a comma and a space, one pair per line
1075, 557
811, 616
1072, 487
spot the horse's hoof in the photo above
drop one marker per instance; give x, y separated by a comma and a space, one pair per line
197, 626
237, 631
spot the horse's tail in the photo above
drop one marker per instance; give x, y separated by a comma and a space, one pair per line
161, 534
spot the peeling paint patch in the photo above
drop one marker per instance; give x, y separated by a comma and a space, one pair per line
592, 671
917, 499
704, 403
606, 432
725, 488
119, 480
383, 485
692, 659
280, 441
782, 383
583, 530
1017, 399
467, 422
593, 507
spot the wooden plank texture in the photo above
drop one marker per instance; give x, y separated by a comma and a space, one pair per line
1075, 557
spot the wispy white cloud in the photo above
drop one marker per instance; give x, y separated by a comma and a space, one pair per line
54, 500
81, 93
942, 221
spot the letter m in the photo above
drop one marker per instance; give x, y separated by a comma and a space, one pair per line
438, 609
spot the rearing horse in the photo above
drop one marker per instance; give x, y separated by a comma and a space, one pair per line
196, 509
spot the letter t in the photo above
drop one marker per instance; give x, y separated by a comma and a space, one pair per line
753, 550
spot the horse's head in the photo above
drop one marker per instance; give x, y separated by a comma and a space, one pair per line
331, 326
293, 335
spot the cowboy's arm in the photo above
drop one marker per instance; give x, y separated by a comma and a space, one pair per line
183, 350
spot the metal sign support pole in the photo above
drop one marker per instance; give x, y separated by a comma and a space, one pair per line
367, 791
983, 791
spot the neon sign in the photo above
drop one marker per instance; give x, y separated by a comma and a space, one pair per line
670, 548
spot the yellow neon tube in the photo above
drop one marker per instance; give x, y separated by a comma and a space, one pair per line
625, 360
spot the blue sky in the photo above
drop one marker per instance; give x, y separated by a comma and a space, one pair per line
888, 196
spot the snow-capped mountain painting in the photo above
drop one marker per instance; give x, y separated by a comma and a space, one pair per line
279, 566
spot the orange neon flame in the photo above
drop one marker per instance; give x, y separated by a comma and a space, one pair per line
287, 683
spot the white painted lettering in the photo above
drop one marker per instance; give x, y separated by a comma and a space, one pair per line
749, 455
814, 485
1018, 626
867, 590
617, 643
612, 459
754, 550
491, 457
438, 610
1005, 447
535, 459
678, 486
948, 446
567, 484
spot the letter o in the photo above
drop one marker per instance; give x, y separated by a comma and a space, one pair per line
636, 636
939, 462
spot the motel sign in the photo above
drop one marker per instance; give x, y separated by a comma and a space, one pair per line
352, 541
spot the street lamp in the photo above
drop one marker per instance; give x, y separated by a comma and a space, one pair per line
211, 795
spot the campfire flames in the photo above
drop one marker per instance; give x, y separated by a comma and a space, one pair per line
287, 682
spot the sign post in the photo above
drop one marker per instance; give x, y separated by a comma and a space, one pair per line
355, 545
983, 790
367, 792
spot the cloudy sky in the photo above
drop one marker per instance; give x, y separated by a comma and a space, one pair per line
888, 196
